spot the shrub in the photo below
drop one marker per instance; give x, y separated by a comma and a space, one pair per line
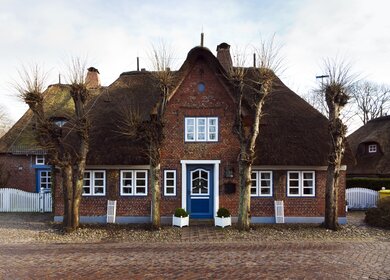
223, 212
379, 216
180, 212
375, 184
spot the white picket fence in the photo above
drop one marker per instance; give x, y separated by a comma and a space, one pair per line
14, 200
361, 198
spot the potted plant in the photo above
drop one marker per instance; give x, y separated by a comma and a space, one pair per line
223, 218
180, 218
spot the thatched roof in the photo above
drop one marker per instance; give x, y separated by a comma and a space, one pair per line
291, 133
371, 164
20, 139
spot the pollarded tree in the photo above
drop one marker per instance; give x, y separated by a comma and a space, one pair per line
252, 87
68, 158
336, 90
150, 132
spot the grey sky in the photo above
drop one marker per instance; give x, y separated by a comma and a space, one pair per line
112, 33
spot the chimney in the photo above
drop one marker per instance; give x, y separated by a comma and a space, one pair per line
223, 55
93, 78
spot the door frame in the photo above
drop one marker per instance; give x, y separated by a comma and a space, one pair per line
184, 164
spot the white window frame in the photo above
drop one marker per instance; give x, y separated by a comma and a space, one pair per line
92, 185
47, 182
372, 148
166, 185
196, 126
258, 183
301, 183
40, 160
134, 185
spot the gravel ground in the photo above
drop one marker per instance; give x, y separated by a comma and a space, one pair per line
38, 228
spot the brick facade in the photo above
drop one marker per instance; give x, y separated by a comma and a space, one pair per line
21, 171
215, 101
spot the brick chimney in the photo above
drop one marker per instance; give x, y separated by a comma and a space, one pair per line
93, 78
223, 55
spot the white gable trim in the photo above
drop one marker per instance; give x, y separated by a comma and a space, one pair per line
184, 181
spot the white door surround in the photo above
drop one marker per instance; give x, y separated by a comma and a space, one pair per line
184, 181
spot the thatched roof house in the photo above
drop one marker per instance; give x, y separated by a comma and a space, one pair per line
371, 147
291, 151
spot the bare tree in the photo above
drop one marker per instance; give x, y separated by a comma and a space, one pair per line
371, 100
252, 87
69, 158
151, 132
336, 91
5, 122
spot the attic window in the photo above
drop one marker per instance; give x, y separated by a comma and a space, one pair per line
372, 148
59, 121
201, 87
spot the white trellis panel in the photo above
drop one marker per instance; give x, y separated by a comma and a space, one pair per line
279, 212
111, 211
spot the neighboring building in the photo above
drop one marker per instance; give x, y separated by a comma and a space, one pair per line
199, 152
371, 146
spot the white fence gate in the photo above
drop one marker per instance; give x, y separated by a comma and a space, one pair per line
361, 198
14, 200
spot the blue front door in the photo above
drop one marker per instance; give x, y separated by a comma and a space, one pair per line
200, 187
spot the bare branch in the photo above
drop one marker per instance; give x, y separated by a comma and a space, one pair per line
77, 70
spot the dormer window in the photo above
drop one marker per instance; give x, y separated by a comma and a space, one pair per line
372, 148
59, 121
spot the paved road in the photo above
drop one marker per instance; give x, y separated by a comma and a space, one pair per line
282, 260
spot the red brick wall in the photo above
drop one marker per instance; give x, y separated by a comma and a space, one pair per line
298, 206
22, 175
215, 101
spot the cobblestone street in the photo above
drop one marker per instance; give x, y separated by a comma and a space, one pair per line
187, 260
30, 248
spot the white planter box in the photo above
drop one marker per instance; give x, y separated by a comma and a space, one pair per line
180, 221
223, 222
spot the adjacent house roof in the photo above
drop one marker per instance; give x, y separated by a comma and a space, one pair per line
376, 131
292, 132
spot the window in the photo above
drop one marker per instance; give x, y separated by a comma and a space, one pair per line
261, 183
169, 182
45, 180
94, 183
300, 183
201, 129
134, 182
372, 148
40, 160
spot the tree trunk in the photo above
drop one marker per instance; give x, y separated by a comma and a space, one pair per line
331, 199
337, 130
68, 195
245, 170
156, 194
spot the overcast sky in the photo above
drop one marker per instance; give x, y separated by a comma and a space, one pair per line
112, 33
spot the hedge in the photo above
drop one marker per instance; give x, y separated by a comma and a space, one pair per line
375, 184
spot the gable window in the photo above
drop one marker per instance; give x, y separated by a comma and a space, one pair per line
372, 148
300, 183
169, 182
40, 160
261, 183
134, 182
94, 183
201, 129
